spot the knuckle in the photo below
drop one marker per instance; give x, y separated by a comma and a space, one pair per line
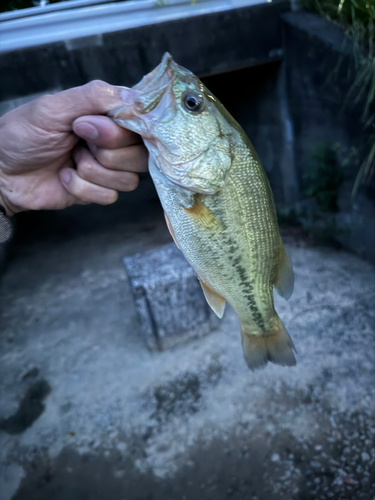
77, 187
132, 182
105, 157
79, 191
102, 92
96, 87
86, 169
44, 100
44, 104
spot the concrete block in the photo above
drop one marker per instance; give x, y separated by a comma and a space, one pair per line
168, 298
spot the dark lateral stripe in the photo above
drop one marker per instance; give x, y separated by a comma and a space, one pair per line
236, 261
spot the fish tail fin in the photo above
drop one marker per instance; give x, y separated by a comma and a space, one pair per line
275, 346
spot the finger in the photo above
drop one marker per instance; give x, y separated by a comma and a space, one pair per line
84, 190
104, 132
94, 98
130, 159
90, 170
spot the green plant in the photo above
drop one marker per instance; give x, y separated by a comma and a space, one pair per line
324, 178
357, 18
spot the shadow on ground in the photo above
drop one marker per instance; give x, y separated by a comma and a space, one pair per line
249, 466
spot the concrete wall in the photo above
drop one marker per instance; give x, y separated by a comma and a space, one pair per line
320, 70
286, 106
208, 43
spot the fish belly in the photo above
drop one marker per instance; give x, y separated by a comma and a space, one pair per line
231, 239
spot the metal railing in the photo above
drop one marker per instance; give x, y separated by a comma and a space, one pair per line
45, 9
82, 18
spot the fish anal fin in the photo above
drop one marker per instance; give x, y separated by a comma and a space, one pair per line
274, 347
284, 280
170, 228
215, 301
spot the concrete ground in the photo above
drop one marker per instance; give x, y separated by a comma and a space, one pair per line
88, 413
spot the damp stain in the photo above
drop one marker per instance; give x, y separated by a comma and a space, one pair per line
30, 409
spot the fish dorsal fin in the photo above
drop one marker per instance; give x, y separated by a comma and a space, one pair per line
169, 226
215, 301
284, 281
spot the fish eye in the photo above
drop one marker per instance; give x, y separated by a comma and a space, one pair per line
193, 102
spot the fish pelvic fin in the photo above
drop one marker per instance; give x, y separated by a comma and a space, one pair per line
214, 300
202, 215
284, 280
275, 347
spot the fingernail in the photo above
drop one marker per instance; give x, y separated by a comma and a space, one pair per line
65, 176
86, 131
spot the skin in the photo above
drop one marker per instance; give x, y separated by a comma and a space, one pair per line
42, 166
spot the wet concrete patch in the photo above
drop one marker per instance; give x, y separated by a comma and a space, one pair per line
183, 394
256, 465
231, 469
31, 407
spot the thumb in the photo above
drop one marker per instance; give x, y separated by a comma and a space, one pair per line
61, 109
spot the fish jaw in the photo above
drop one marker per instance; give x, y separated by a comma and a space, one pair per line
126, 116
156, 78
139, 111
193, 152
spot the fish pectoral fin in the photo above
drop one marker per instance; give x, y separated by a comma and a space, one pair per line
275, 346
214, 300
284, 280
170, 228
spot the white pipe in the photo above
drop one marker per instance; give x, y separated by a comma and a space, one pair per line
75, 23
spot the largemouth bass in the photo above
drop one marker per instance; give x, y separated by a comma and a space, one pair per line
217, 201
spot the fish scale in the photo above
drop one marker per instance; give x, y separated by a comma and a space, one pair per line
218, 203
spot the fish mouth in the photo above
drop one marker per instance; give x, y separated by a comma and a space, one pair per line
163, 73
148, 93
152, 88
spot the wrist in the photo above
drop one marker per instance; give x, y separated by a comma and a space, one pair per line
5, 206
4, 202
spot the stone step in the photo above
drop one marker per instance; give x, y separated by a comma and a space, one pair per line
168, 298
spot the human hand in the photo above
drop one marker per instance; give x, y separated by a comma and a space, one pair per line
41, 166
